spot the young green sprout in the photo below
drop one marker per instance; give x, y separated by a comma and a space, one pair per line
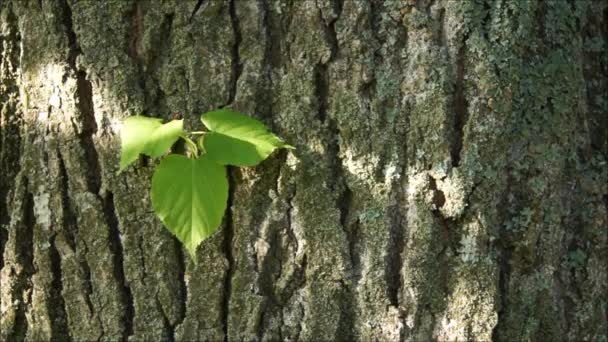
190, 193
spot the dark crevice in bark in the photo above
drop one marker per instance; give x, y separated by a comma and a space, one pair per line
169, 329
594, 65
321, 76
344, 202
321, 85
56, 304
438, 195
348, 318
260, 331
74, 49
330, 28
423, 5
347, 322
299, 330
570, 279
351, 231
265, 273
448, 224
10, 121
296, 283
236, 66
375, 21
235, 73
575, 243
368, 91
321, 79
459, 106
136, 32
183, 290
89, 290
118, 263
86, 129
163, 45
3, 240
605, 199
142, 260
264, 92
84, 105
155, 99
290, 231
539, 18
197, 7
304, 281
134, 51
69, 223
282, 296
86, 116
394, 258
227, 248
89, 128
350, 226
281, 325
87, 284
283, 54
504, 257
504, 252
272, 264
70, 231
486, 21
4, 216
24, 245
442, 39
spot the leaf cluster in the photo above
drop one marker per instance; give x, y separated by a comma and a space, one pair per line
190, 192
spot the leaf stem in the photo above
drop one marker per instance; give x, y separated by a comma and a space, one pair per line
198, 132
200, 143
191, 145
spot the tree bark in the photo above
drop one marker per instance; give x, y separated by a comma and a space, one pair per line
449, 182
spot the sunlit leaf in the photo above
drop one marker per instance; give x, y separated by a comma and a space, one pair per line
190, 197
236, 139
149, 136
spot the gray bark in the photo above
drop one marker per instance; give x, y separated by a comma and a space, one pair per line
449, 182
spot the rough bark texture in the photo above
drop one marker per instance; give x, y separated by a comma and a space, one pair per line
449, 182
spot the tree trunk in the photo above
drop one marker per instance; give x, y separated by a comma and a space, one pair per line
449, 181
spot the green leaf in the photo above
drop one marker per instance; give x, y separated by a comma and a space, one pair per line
236, 139
148, 136
190, 197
